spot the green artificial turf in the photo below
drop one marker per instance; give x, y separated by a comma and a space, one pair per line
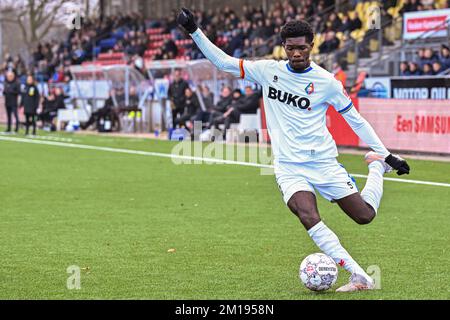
116, 216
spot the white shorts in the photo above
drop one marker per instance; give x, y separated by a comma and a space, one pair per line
327, 176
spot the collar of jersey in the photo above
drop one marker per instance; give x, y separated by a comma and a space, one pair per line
293, 71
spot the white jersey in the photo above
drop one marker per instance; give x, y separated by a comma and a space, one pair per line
295, 105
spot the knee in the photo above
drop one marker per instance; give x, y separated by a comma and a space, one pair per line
366, 218
307, 215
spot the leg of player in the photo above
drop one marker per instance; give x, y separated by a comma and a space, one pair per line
363, 207
304, 205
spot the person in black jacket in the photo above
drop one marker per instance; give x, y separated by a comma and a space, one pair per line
48, 109
11, 92
176, 95
30, 103
192, 105
220, 108
245, 105
225, 119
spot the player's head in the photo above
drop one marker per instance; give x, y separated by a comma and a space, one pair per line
298, 41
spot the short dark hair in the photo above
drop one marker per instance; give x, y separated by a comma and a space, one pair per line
293, 29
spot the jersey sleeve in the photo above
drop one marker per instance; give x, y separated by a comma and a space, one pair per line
338, 97
253, 70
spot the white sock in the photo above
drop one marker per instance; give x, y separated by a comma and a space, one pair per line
329, 243
373, 190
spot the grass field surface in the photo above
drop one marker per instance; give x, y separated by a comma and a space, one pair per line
141, 227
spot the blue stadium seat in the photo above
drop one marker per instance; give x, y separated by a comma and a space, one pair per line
108, 43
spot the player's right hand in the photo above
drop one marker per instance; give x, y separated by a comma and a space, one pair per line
186, 20
398, 164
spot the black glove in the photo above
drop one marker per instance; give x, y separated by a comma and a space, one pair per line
186, 20
398, 164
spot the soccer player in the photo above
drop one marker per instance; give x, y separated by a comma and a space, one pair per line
297, 94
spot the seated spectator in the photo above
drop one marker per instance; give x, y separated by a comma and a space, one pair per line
330, 44
437, 68
355, 23
106, 112
219, 109
333, 23
408, 6
170, 50
237, 99
428, 57
191, 107
345, 24
404, 68
49, 110
414, 69
59, 97
444, 57
245, 105
208, 102
427, 70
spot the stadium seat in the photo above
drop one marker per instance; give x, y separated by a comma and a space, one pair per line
373, 45
250, 122
107, 43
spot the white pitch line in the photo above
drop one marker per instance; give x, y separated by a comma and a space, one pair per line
172, 156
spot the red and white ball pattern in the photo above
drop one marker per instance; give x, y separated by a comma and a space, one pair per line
318, 272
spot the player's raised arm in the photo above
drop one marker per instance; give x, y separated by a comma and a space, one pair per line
219, 58
340, 100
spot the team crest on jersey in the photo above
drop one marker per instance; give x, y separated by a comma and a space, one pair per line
309, 88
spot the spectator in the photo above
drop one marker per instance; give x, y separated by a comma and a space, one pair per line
49, 110
191, 107
437, 68
333, 23
421, 55
355, 22
346, 24
404, 68
59, 98
427, 70
414, 69
444, 57
225, 119
177, 95
11, 92
409, 6
245, 105
30, 102
106, 112
428, 57
208, 102
330, 44
219, 109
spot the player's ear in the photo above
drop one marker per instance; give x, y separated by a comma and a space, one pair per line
312, 44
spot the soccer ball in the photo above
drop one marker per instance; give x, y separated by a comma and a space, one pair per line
318, 272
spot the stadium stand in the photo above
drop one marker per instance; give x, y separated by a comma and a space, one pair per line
342, 36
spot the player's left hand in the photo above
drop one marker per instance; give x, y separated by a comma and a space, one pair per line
398, 164
187, 20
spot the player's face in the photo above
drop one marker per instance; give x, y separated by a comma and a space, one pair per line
298, 50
